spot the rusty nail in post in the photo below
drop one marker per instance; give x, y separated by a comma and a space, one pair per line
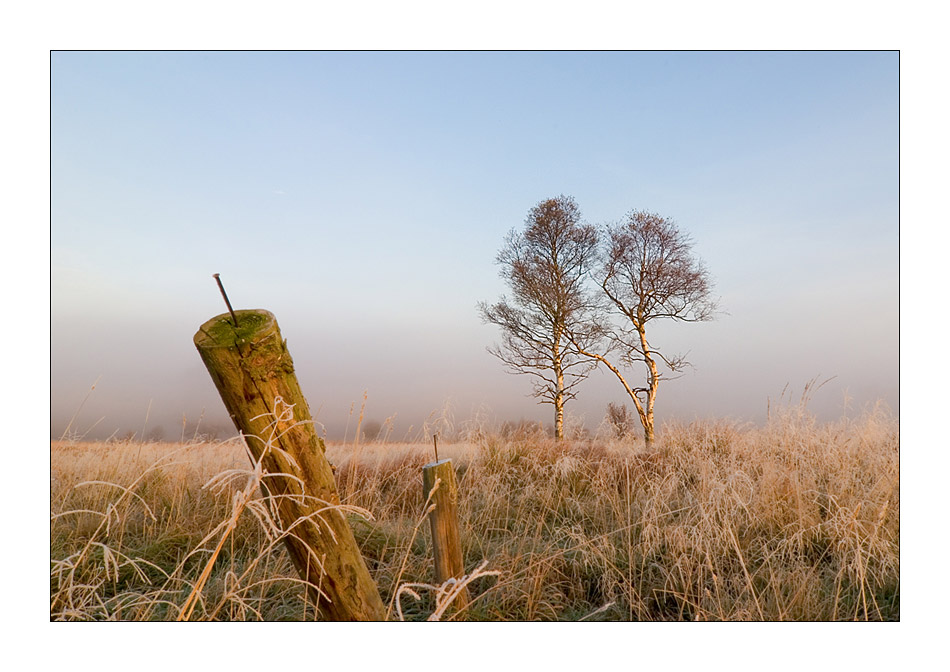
435, 443
217, 277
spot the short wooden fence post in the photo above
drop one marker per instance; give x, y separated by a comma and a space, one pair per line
254, 374
443, 521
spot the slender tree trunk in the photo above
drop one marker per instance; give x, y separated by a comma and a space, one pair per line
559, 395
646, 416
648, 435
630, 392
653, 382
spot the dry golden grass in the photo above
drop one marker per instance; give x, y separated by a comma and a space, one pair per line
794, 520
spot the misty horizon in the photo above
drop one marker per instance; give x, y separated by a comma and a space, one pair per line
94, 415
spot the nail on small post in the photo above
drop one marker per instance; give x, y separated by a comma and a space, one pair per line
435, 444
217, 277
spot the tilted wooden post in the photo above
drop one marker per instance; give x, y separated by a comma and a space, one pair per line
254, 374
443, 521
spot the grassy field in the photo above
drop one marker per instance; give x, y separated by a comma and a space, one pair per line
793, 520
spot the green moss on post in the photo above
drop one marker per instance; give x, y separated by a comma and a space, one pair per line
254, 374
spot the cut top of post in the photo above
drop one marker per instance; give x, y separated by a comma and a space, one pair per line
435, 464
218, 332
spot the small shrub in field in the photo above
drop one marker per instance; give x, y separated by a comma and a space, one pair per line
620, 418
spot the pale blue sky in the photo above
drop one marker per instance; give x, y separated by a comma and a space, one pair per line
362, 198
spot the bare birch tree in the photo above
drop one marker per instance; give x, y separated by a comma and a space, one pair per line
648, 273
545, 266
